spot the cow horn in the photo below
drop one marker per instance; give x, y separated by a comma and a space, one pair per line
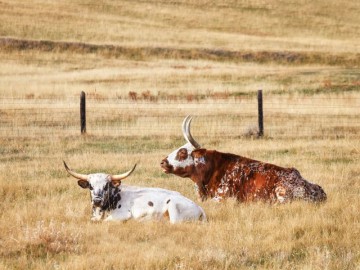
186, 132
75, 174
122, 176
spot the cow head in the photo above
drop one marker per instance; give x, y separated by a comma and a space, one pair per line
182, 161
104, 189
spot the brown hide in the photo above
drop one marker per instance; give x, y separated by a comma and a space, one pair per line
221, 175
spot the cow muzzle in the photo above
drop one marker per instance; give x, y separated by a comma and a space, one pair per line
166, 167
97, 202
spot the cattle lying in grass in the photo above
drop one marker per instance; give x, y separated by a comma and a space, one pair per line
221, 175
128, 202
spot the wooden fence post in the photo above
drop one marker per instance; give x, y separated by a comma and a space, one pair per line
82, 112
260, 114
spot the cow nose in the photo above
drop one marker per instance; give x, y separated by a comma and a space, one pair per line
164, 162
97, 201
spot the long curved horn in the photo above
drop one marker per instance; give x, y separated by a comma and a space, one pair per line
75, 174
122, 176
186, 132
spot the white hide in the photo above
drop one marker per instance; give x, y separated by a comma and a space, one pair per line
182, 164
97, 182
155, 204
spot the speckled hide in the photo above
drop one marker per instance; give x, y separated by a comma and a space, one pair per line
250, 180
112, 201
221, 175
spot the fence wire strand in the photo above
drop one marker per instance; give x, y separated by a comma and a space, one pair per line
305, 117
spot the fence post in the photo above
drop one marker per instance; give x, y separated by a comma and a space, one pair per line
82, 112
260, 114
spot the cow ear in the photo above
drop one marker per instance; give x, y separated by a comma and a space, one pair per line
83, 184
199, 156
116, 183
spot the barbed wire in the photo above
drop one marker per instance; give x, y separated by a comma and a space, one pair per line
292, 119
232, 97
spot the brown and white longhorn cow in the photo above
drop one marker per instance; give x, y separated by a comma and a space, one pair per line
221, 175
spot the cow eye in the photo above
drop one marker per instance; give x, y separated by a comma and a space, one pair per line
182, 154
91, 187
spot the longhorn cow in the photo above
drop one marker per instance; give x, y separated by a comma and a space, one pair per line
130, 202
221, 175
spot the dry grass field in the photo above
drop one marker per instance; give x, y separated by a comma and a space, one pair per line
144, 66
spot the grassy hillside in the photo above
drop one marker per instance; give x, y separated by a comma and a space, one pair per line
329, 26
144, 65
187, 46
183, 47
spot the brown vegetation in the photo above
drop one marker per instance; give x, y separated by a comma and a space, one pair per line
145, 53
205, 58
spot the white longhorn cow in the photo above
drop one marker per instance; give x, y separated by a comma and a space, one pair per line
130, 202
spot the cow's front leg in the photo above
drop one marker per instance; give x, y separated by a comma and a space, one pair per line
201, 191
97, 214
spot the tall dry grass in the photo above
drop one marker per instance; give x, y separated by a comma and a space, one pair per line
144, 66
45, 215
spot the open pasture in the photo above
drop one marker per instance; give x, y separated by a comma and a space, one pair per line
144, 66
46, 216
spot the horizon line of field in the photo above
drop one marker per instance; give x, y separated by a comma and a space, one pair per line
9, 44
